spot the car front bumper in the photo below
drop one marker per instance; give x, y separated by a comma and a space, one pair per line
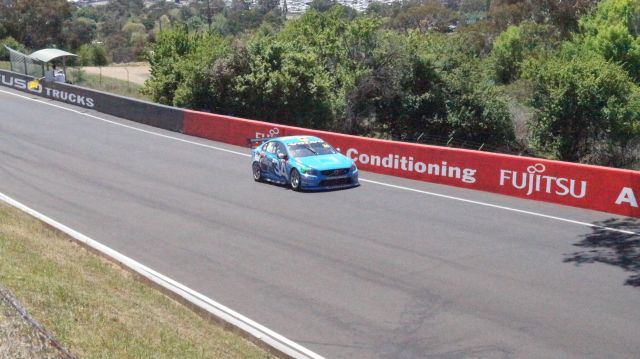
320, 182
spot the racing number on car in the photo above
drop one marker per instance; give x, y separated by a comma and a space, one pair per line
280, 168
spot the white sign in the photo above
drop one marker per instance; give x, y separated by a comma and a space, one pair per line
534, 181
61, 95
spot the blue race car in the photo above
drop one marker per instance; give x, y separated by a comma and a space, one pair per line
304, 163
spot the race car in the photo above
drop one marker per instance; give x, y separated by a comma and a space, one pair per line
302, 162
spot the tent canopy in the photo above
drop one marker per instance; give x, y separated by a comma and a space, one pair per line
46, 55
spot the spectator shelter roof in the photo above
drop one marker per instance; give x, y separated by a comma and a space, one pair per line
34, 64
46, 55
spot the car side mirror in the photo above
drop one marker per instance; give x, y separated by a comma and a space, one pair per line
282, 156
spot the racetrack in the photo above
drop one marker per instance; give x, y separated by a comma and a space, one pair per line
385, 270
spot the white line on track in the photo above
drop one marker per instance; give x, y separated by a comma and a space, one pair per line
537, 214
261, 332
501, 207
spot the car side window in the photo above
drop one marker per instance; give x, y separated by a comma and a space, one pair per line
270, 147
280, 149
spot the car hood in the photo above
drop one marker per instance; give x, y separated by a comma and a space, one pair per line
325, 162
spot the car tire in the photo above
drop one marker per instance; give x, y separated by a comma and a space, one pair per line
294, 180
257, 172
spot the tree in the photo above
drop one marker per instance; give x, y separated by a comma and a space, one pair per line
566, 14
194, 68
79, 31
519, 43
322, 5
170, 48
473, 6
588, 110
88, 12
243, 20
424, 15
505, 13
23, 20
92, 55
284, 85
430, 84
222, 76
562, 14
612, 30
125, 9
476, 110
240, 5
403, 94
267, 5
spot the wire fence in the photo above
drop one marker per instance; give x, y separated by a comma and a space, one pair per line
452, 141
24, 64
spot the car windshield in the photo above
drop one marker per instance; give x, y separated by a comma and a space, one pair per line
302, 149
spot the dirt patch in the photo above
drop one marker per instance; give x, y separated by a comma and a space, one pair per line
136, 73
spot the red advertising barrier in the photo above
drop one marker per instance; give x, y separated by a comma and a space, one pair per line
592, 187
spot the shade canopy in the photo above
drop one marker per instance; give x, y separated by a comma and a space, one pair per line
46, 55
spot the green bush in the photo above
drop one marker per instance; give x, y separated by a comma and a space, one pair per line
92, 55
588, 110
612, 30
12, 43
516, 44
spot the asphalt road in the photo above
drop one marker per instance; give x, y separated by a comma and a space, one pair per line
370, 272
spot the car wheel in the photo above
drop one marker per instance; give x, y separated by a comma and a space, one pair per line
257, 172
294, 180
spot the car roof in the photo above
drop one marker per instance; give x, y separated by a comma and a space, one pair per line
295, 139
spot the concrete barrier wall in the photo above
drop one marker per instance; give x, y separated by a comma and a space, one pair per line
169, 118
592, 187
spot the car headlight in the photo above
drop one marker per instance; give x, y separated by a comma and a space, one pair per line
353, 168
309, 171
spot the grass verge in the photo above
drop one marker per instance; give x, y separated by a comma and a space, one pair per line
94, 308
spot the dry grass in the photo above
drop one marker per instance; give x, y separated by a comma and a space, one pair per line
137, 72
106, 84
96, 309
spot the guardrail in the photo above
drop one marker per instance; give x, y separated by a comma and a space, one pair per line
585, 186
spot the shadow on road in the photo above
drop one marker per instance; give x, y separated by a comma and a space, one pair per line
610, 247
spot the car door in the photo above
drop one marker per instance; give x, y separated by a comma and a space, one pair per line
280, 162
267, 158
